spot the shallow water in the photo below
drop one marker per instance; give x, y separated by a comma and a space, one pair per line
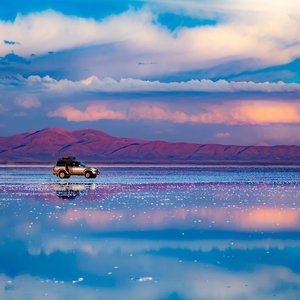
151, 233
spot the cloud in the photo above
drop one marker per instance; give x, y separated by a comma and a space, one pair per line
91, 113
258, 112
27, 102
216, 8
95, 84
273, 106
232, 113
46, 31
223, 135
263, 38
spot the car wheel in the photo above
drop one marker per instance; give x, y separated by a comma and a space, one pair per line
88, 174
62, 174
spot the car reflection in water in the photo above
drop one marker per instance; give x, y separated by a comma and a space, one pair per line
70, 191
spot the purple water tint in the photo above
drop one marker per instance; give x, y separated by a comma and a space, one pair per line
198, 233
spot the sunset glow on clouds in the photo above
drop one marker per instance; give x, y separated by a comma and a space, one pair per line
92, 112
209, 67
232, 113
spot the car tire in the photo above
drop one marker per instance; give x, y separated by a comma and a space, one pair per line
62, 175
88, 175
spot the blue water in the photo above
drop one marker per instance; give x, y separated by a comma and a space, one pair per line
162, 233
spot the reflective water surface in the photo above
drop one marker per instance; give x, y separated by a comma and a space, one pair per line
150, 233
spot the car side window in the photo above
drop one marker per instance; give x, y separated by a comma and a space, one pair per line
60, 164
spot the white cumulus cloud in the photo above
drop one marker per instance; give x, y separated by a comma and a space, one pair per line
265, 37
96, 84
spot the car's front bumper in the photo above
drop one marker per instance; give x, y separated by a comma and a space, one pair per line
95, 171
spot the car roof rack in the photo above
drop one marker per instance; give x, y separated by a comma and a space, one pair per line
68, 158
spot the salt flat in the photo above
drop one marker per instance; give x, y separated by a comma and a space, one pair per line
150, 233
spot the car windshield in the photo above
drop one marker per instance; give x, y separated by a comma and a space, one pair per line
82, 164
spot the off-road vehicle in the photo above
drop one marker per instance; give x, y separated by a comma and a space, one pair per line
68, 165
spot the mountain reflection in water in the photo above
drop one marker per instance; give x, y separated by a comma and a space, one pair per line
151, 233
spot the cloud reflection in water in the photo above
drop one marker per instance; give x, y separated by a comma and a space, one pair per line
197, 240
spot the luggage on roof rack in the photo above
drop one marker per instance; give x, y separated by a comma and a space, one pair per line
67, 158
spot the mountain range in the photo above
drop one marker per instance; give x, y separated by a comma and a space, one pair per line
47, 145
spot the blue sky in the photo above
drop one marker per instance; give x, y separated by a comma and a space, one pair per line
201, 71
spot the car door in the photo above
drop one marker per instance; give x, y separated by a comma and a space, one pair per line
69, 168
77, 169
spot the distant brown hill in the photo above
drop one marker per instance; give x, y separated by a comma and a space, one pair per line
92, 145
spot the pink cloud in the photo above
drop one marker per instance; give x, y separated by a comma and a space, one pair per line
92, 113
253, 112
27, 102
157, 112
